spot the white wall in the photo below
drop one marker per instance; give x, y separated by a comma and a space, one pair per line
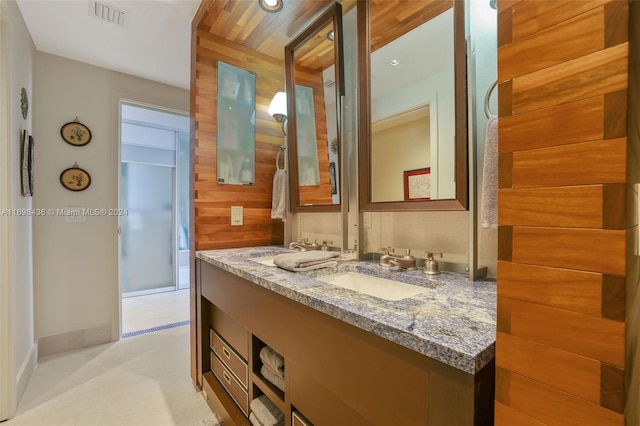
19, 233
76, 264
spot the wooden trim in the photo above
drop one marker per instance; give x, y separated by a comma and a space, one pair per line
503, 379
613, 298
505, 20
505, 243
505, 171
616, 27
612, 388
615, 115
364, 131
220, 402
505, 98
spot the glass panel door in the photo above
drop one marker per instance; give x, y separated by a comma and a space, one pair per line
148, 250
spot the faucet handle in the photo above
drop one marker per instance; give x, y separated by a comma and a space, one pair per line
430, 254
386, 250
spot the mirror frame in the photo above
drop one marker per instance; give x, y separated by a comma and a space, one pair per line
461, 201
333, 14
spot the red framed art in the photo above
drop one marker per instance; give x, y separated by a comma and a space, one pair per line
417, 184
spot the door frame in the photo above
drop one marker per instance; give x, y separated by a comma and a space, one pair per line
118, 100
7, 362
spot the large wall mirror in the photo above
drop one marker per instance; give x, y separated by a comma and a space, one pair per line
314, 85
413, 122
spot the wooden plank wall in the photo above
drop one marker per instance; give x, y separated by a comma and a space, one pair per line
213, 201
632, 413
560, 351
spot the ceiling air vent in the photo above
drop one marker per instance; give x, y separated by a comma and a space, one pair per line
109, 13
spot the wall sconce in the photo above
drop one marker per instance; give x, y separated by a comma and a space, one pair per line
271, 6
278, 110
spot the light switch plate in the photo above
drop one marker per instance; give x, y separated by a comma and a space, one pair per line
236, 216
74, 215
366, 220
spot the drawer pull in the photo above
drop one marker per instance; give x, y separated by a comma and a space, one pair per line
226, 352
226, 377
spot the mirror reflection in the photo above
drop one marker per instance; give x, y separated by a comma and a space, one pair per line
413, 112
313, 131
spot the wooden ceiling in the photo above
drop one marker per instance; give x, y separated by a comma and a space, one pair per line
392, 18
245, 23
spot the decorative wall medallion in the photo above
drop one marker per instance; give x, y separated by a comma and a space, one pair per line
75, 179
24, 103
75, 133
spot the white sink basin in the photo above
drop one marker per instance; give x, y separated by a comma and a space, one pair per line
265, 260
373, 286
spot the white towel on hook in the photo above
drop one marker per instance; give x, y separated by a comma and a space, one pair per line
279, 197
489, 209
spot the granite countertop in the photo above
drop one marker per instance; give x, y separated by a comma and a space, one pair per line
453, 321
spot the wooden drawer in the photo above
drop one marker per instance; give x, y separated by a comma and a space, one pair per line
232, 361
230, 383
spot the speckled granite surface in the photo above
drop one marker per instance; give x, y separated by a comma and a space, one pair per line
452, 321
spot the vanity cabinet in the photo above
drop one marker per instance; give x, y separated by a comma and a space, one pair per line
336, 373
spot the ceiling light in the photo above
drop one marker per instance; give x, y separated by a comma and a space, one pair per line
271, 6
394, 62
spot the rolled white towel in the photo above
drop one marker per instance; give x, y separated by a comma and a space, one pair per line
272, 358
266, 412
254, 421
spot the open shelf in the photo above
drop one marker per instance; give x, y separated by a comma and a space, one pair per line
273, 393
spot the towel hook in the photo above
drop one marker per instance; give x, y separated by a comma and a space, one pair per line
487, 97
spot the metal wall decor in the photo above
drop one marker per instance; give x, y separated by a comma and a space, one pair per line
24, 102
75, 179
75, 133
26, 157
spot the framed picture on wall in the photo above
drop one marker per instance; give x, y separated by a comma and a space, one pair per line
75, 179
417, 184
75, 133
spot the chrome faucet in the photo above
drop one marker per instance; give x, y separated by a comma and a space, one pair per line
304, 245
405, 263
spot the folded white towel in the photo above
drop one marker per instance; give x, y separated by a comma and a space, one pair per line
489, 209
272, 359
279, 197
277, 379
266, 412
306, 260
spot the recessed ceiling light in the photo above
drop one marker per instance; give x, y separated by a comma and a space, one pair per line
394, 62
271, 6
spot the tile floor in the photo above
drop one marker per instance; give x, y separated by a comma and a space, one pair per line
145, 312
138, 381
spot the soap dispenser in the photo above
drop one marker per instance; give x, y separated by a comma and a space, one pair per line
431, 265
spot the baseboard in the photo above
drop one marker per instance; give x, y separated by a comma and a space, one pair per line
26, 371
74, 340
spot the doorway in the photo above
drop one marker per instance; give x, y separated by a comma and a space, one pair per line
153, 200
